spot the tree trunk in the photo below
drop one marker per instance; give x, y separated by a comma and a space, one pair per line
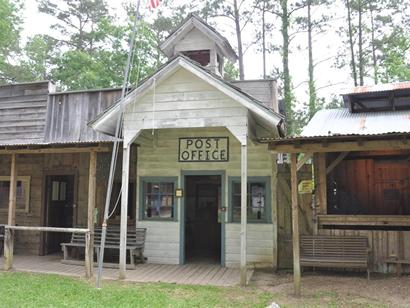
375, 69
286, 74
312, 88
361, 58
351, 43
239, 39
264, 40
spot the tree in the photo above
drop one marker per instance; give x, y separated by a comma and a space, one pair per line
91, 49
10, 27
39, 56
263, 7
241, 15
313, 25
284, 11
77, 21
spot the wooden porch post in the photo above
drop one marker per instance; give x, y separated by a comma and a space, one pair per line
89, 251
244, 198
124, 210
295, 223
322, 183
9, 234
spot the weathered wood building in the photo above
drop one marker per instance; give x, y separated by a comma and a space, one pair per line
195, 174
45, 139
360, 155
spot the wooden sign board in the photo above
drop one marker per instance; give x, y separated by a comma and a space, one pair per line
203, 149
305, 187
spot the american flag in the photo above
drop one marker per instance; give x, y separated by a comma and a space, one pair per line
153, 4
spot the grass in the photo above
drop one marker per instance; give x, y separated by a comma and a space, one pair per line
34, 290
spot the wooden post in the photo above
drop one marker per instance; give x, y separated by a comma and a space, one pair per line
124, 210
295, 223
244, 186
9, 234
89, 252
322, 183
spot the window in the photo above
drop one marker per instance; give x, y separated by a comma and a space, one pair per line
22, 193
158, 198
258, 199
58, 191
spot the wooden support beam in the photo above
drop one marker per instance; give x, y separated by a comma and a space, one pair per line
295, 225
321, 184
124, 211
340, 146
334, 163
304, 159
89, 252
244, 218
56, 150
11, 221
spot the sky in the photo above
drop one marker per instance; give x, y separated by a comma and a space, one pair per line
330, 80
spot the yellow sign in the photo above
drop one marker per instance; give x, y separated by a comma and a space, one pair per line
179, 193
305, 187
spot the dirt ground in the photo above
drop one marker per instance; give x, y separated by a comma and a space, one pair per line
330, 289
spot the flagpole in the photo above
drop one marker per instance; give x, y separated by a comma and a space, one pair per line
114, 155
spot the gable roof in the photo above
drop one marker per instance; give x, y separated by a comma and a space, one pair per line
106, 121
194, 21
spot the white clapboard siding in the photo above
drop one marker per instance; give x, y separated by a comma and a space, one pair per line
158, 156
162, 241
194, 40
260, 244
182, 101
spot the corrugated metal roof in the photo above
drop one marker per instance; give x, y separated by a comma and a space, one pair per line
340, 122
379, 88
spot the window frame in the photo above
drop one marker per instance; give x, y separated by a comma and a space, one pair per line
24, 179
161, 179
268, 198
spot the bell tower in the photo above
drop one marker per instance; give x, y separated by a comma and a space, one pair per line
200, 42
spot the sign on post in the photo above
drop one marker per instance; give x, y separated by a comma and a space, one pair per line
203, 149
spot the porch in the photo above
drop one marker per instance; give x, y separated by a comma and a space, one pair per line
195, 274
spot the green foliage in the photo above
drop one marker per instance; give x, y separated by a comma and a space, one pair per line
29, 290
10, 27
231, 72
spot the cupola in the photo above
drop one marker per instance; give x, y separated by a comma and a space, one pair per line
200, 42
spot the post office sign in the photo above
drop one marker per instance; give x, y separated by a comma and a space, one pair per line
203, 149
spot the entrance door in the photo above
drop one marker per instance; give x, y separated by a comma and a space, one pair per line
202, 229
59, 209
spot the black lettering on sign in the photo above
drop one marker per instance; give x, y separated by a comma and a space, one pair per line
203, 149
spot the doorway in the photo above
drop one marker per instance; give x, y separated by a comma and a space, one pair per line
202, 228
60, 203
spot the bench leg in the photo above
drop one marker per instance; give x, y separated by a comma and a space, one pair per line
65, 253
142, 256
132, 258
368, 274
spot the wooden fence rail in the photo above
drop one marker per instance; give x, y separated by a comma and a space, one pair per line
9, 243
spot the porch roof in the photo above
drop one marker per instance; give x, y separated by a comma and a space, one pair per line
339, 129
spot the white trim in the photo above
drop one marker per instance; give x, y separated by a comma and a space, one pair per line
193, 22
169, 70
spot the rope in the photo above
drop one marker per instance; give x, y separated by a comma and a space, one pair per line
116, 204
153, 107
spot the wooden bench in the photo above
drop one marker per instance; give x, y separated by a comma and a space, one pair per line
135, 242
399, 264
335, 251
